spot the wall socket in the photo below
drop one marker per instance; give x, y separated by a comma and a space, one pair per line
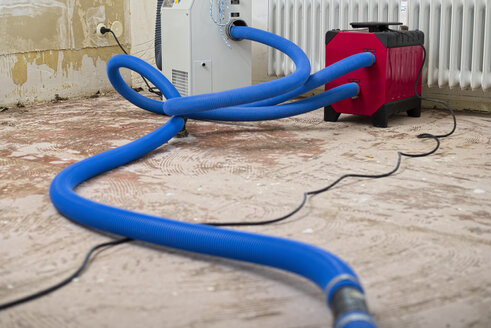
98, 29
117, 28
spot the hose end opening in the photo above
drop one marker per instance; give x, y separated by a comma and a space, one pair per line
228, 31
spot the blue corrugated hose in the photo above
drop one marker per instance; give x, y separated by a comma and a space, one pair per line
323, 268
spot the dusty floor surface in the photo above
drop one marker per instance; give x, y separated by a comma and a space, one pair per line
420, 240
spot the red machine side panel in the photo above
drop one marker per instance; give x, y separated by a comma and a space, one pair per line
372, 80
403, 65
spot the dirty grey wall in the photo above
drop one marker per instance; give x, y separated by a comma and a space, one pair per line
50, 47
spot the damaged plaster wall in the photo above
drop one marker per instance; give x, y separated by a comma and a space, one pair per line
50, 47
142, 34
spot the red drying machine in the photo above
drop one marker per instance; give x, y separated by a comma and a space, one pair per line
387, 87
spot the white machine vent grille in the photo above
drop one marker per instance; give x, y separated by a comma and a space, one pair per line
180, 79
458, 39
306, 22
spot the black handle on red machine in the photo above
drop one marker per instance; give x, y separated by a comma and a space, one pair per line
375, 26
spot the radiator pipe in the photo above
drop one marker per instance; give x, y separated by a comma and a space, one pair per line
158, 35
342, 288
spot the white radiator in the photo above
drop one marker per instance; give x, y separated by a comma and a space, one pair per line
457, 33
458, 40
306, 22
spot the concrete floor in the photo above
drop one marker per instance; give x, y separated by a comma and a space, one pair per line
420, 240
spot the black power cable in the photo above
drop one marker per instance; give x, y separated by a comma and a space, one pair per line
151, 89
65, 282
400, 155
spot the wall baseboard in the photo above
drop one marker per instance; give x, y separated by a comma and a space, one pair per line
458, 99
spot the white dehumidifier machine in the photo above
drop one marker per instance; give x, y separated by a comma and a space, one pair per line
197, 55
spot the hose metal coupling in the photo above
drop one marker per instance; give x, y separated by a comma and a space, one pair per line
350, 309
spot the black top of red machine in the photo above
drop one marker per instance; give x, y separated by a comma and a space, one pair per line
389, 38
375, 26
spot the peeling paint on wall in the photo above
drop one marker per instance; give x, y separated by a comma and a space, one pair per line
94, 16
36, 77
48, 44
64, 61
19, 71
53, 25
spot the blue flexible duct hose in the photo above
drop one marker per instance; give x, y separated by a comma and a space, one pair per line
194, 104
328, 74
330, 273
276, 112
154, 76
240, 113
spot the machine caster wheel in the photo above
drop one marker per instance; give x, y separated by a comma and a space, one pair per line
415, 112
